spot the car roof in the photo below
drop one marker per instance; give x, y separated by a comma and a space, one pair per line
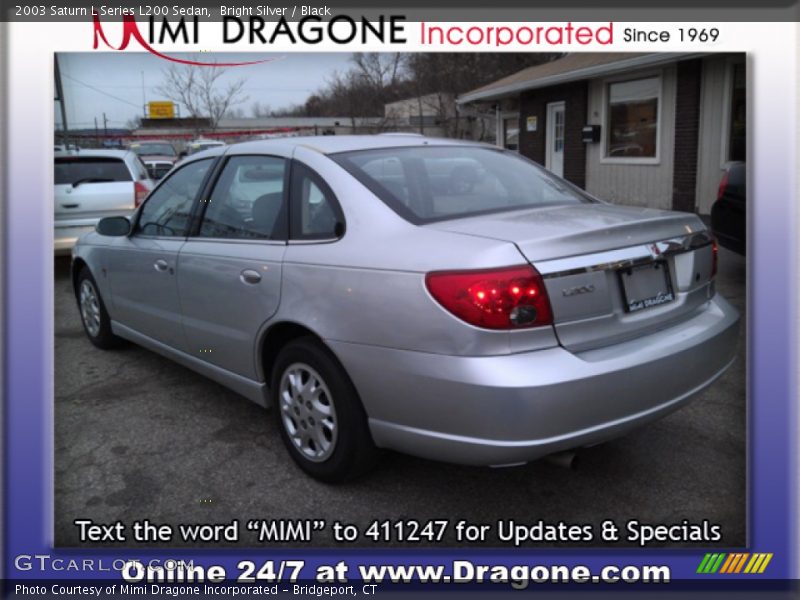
331, 144
96, 153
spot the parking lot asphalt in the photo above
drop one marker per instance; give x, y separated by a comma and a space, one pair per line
139, 437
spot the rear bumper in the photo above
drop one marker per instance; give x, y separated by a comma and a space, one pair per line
498, 410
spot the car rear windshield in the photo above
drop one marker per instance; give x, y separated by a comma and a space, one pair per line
432, 183
90, 169
153, 149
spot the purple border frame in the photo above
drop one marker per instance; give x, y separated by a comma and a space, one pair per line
28, 364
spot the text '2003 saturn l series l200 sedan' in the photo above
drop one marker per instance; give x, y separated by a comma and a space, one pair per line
446, 299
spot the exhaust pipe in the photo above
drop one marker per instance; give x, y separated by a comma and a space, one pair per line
566, 459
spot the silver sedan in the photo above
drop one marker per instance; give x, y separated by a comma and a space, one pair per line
446, 299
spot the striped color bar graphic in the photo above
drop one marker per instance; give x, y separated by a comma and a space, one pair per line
735, 562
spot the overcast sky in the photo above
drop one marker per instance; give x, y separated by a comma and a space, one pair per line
111, 82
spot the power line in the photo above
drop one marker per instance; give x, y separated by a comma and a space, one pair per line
99, 91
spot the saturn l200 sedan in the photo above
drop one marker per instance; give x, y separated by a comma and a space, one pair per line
445, 299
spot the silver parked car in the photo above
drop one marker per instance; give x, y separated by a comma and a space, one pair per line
446, 299
201, 144
91, 184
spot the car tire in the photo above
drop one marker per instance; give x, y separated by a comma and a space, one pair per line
94, 316
320, 416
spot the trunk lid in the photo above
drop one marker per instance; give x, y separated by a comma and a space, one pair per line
612, 272
560, 231
88, 188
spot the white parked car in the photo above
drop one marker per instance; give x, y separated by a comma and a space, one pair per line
201, 144
92, 184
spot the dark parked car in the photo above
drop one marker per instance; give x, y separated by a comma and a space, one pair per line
729, 213
155, 150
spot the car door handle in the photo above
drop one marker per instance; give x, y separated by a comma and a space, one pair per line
76, 205
250, 276
160, 265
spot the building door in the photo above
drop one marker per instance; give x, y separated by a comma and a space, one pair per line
554, 160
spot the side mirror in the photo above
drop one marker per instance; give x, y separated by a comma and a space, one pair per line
113, 226
182, 154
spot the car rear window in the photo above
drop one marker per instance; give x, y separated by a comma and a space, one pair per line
431, 183
90, 169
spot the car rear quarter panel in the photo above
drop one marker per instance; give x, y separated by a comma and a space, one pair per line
369, 286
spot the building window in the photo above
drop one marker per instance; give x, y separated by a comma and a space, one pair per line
737, 127
558, 130
511, 132
633, 118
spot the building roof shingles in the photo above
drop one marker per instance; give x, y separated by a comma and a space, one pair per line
571, 63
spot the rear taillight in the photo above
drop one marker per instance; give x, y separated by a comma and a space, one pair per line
723, 185
714, 258
507, 298
140, 192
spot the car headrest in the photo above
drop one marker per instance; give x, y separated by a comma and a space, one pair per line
265, 212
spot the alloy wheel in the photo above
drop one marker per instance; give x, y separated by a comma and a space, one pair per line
90, 308
307, 412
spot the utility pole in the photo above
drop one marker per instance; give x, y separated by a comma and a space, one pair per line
96, 133
144, 100
60, 100
105, 126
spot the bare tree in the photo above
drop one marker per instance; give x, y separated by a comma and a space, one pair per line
234, 113
431, 80
200, 91
346, 95
444, 76
380, 71
133, 123
260, 111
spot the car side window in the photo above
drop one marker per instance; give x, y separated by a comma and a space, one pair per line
316, 213
248, 200
168, 210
